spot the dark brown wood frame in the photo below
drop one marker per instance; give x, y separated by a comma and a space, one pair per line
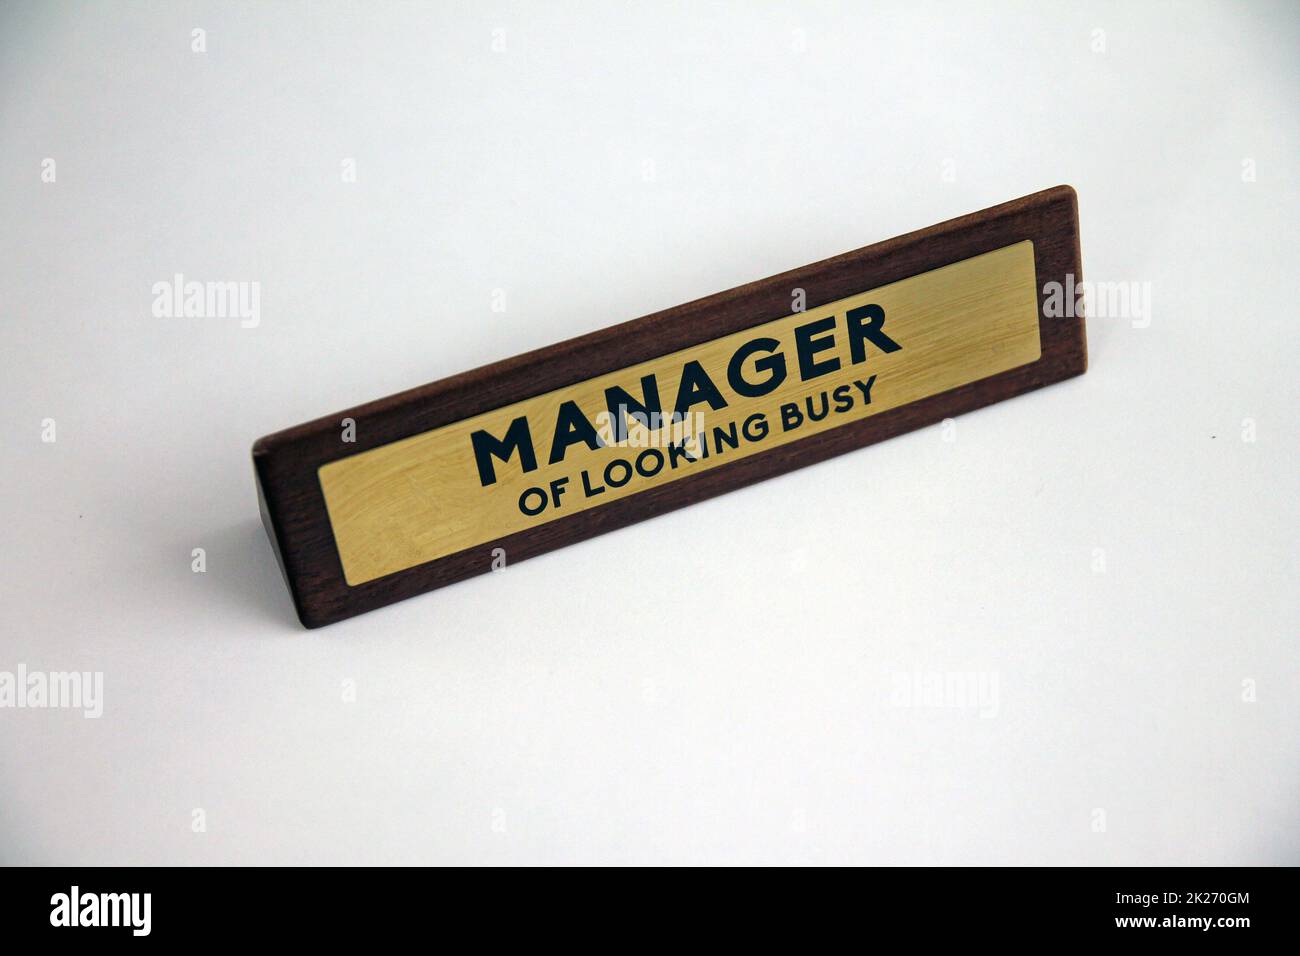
286, 463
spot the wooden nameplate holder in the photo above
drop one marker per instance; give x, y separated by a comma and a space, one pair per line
453, 479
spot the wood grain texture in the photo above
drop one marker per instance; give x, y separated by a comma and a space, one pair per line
423, 498
287, 463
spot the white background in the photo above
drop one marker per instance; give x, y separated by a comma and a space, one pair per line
715, 685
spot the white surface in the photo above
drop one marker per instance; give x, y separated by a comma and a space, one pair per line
717, 685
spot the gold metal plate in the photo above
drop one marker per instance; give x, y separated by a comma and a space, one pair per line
424, 497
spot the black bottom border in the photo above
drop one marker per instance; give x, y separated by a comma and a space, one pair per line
1176, 906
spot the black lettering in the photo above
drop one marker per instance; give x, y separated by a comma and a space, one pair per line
775, 364
807, 347
571, 427
725, 439
486, 447
755, 427
587, 490
696, 387
813, 414
678, 451
610, 474
873, 331
646, 411
652, 455
541, 502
